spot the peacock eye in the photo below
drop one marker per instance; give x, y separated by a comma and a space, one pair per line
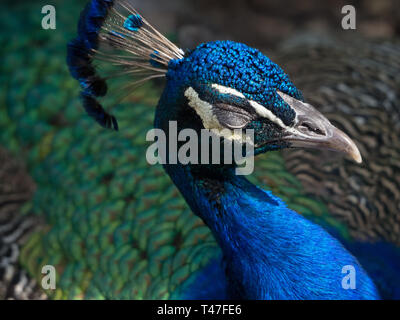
230, 116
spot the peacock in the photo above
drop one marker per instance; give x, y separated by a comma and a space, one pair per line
117, 228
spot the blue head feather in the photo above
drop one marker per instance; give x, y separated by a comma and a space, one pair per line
133, 23
240, 67
79, 61
131, 34
153, 59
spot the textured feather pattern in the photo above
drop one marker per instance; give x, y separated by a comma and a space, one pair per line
357, 87
358, 90
16, 188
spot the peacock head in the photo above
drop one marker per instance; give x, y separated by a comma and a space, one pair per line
221, 86
225, 86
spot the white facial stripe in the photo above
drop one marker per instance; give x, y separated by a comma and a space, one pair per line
227, 90
203, 109
210, 121
261, 110
265, 113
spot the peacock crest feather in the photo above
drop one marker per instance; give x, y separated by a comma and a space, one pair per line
113, 32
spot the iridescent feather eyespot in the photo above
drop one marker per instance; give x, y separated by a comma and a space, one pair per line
133, 23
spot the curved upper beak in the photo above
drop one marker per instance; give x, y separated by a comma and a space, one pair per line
313, 130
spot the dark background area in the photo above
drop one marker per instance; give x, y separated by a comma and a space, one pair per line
264, 23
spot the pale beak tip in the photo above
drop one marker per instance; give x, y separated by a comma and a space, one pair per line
348, 145
357, 157
354, 153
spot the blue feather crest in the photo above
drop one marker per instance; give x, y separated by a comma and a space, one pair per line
133, 23
112, 32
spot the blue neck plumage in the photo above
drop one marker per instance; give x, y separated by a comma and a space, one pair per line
270, 251
245, 220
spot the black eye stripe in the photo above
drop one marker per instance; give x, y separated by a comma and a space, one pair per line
224, 100
232, 120
233, 109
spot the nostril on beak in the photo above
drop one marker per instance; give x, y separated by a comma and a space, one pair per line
311, 128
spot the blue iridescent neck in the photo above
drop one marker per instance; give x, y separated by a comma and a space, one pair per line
241, 216
270, 251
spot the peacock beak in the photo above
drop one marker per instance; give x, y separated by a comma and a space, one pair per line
311, 129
